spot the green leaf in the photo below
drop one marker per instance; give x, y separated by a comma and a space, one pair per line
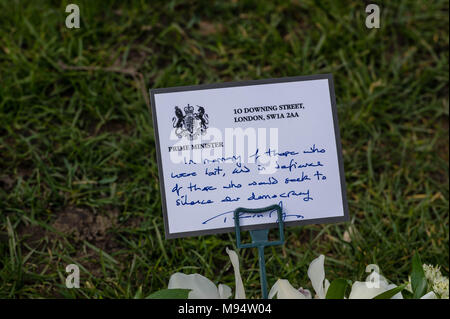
390, 293
170, 294
337, 289
418, 279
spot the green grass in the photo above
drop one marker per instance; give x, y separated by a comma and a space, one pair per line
76, 137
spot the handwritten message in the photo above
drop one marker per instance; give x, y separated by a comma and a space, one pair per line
224, 178
248, 146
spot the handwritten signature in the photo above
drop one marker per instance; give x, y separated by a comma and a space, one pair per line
230, 214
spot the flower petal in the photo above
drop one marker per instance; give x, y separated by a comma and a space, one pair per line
396, 296
282, 289
240, 292
224, 291
375, 277
430, 295
316, 273
305, 292
326, 286
201, 287
365, 290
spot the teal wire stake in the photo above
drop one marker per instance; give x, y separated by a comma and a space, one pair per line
260, 238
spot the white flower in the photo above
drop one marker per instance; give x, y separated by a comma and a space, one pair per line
282, 289
203, 288
430, 295
240, 292
316, 273
431, 273
374, 285
440, 286
436, 280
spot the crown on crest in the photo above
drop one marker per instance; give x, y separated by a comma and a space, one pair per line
189, 109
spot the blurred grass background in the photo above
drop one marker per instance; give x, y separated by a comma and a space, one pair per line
78, 172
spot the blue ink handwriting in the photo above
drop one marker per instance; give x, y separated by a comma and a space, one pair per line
180, 175
295, 165
232, 185
314, 149
215, 171
244, 215
304, 177
229, 199
320, 176
270, 181
203, 189
177, 189
184, 201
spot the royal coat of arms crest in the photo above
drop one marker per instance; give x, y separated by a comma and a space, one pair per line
190, 124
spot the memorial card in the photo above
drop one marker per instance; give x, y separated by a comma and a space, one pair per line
249, 144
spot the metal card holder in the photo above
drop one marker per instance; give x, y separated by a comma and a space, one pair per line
260, 238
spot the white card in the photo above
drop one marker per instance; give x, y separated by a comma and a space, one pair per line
249, 144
